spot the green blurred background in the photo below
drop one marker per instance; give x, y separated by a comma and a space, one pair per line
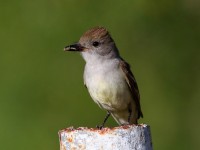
41, 87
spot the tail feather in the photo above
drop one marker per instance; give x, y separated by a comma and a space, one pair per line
121, 117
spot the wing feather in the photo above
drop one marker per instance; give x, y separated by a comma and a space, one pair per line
130, 79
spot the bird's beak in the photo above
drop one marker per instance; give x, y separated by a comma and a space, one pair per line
74, 47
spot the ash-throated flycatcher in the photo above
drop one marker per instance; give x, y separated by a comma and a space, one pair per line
108, 77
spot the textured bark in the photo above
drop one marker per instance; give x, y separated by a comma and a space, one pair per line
128, 137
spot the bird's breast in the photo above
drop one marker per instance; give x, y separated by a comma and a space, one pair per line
108, 88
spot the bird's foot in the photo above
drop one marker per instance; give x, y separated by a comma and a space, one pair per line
100, 127
105, 119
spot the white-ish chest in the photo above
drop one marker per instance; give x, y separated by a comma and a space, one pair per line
106, 84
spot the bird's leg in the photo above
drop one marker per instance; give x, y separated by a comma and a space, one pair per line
129, 116
104, 121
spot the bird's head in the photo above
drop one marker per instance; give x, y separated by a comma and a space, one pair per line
95, 42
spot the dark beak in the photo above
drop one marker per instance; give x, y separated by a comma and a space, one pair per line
74, 47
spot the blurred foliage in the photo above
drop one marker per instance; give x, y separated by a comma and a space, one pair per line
42, 90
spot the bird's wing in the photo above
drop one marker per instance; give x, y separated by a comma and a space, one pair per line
130, 79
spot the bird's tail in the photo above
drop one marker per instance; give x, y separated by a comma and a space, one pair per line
124, 117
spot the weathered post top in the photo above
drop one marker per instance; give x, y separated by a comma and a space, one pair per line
127, 137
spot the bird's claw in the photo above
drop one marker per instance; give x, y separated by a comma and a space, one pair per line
100, 127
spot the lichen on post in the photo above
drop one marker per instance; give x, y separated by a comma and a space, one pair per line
127, 137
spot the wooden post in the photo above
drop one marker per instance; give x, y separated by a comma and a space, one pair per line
128, 137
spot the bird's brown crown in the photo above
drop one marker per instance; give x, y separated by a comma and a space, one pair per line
96, 33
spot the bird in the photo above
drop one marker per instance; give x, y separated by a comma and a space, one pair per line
108, 77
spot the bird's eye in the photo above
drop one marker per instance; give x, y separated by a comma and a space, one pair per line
95, 43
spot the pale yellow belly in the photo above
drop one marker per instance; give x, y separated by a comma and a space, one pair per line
110, 95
